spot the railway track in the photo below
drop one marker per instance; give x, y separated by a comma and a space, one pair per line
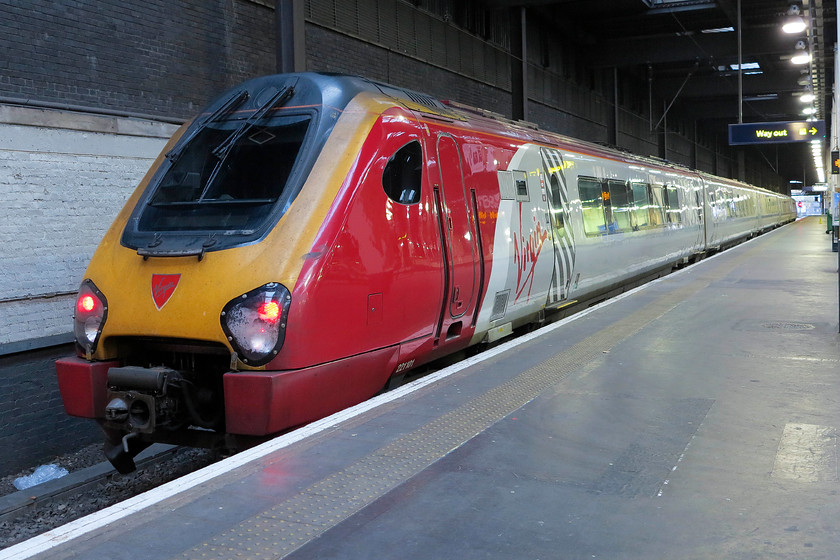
28, 513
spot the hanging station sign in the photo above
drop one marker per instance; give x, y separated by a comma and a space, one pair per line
776, 132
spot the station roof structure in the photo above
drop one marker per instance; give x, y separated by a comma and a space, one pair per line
689, 49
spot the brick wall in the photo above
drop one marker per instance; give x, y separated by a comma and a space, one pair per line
62, 183
33, 426
162, 57
384, 64
63, 177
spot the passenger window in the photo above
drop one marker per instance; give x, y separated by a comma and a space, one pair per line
641, 204
657, 205
403, 174
592, 205
673, 203
621, 203
719, 204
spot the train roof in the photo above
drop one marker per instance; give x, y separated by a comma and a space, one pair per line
337, 90
532, 132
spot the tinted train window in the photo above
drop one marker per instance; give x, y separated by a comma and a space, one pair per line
726, 195
726, 201
233, 189
556, 202
718, 207
673, 203
641, 204
657, 204
621, 203
403, 174
740, 203
592, 206
744, 203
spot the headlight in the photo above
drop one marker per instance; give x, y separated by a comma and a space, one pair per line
255, 323
90, 315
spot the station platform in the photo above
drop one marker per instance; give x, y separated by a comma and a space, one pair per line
692, 418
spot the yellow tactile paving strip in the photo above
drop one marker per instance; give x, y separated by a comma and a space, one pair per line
297, 520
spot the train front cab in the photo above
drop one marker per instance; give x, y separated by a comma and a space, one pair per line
375, 224
386, 287
156, 319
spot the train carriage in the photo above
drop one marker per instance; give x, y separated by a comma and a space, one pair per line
310, 237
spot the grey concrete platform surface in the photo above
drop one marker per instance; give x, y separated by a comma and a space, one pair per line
695, 418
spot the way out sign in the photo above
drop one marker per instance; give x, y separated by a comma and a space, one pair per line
776, 132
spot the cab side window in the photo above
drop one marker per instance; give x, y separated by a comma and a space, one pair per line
403, 174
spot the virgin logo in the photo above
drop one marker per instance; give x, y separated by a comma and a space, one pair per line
163, 286
526, 252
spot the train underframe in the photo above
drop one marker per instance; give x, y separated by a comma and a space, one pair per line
186, 392
166, 391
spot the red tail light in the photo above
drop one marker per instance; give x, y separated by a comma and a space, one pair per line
255, 323
91, 312
86, 304
269, 312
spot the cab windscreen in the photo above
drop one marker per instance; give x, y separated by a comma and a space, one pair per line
224, 180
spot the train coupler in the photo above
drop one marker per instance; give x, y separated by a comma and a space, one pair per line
120, 450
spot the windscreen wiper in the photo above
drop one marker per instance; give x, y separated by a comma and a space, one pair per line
221, 151
235, 100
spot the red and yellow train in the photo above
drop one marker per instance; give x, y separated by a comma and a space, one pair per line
309, 237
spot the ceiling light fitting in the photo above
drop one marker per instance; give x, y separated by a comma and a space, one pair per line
794, 25
793, 22
746, 66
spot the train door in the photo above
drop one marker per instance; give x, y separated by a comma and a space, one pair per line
562, 235
700, 199
459, 237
